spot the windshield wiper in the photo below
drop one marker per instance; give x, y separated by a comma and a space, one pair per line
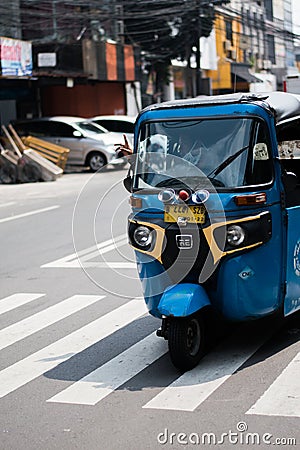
226, 163
171, 181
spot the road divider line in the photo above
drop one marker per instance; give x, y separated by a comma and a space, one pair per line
16, 300
282, 398
2, 205
101, 251
30, 213
20, 330
191, 389
109, 265
106, 379
73, 260
28, 369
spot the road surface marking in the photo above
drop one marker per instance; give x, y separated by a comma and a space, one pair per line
30, 213
43, 319
109, 265
16, 300
282, 398
7, 204
75, 259
191, 389
106, 249
26, 370
107, 378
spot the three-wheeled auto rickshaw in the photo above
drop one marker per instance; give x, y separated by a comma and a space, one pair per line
215, 197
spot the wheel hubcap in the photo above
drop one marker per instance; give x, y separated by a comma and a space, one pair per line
193, 337
96, 162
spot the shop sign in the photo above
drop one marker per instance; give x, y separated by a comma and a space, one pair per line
46, 59
15, 57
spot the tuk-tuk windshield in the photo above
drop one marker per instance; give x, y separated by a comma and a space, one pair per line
227, 153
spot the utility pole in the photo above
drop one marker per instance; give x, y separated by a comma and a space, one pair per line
54, 20
119, 24
198, 51
200, 11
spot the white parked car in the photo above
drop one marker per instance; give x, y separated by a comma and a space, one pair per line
90, 144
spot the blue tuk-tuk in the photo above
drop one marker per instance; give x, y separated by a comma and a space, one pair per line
215, 197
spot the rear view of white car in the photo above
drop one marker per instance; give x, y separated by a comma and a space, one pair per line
90, 144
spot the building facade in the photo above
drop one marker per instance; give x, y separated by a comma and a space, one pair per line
253, 39
79, 64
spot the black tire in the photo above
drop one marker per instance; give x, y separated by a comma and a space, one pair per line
96, 161
186, 341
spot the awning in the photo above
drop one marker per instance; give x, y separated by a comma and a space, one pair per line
241, 72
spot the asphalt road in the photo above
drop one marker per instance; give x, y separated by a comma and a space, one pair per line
80, 367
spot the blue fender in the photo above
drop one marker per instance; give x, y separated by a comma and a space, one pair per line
181, 300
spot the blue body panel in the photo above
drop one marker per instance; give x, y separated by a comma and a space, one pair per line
250, 284
181, 300
154, 281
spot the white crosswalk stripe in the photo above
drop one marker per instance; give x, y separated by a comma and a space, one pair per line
186, 393
43, 319
49, 357
282, 398
16, 300
104, 380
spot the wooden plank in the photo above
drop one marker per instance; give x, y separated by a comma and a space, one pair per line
30, 140
11, 141
17, 138
53, 152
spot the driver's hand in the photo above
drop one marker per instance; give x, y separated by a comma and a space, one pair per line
123, 149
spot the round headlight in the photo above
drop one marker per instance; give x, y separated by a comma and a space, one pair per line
235, 235
142, 236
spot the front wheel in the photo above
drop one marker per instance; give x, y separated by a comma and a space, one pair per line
186, 341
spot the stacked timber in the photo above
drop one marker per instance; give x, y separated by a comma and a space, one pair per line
29, 159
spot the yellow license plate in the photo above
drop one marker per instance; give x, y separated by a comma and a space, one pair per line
193, 214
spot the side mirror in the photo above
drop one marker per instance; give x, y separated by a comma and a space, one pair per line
127, 182
77, 134
290, 181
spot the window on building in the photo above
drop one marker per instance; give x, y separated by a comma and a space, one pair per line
229, 36
271, 48
269, 9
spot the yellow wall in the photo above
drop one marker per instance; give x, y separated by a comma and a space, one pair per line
221, 78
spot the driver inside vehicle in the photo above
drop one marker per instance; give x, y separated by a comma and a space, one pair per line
186, 147
190, 148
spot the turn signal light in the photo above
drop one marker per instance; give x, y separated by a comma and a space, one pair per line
135, 202
252, 199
